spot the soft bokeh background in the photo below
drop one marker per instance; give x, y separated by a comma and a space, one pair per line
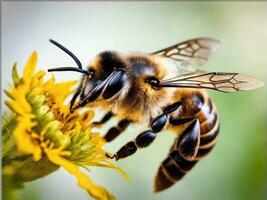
236, 168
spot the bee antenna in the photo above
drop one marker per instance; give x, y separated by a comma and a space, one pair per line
77, 61
74, 69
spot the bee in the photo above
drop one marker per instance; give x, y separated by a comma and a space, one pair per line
164, 90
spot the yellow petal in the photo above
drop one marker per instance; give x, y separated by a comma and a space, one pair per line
30, 67
49, 84
15, 75
9, 94
24, 141
95, 191
40, 74
62, 90
37, 78
112, 166
16, 107
20, 103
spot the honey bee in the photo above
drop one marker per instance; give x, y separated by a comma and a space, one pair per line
163, 89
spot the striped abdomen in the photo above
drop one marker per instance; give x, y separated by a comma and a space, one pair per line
197, 105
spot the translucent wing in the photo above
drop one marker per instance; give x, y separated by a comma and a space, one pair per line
191, 54
220, 81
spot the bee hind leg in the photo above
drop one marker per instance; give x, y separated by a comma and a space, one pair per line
180, 159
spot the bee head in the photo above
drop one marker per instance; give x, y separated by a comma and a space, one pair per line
104, 79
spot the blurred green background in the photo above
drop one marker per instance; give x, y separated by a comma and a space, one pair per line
236, 168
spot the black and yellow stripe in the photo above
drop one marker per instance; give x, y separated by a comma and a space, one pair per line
175, 166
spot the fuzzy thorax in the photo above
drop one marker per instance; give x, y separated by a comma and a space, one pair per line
137, 100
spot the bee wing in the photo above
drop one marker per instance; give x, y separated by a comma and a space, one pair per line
191, 54
220, 81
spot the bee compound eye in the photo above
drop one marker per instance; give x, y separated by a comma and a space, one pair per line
153, 81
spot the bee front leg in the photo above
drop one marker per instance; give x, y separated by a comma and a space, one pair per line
105, 118
145, 138
115, 131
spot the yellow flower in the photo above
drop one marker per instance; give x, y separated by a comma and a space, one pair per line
45, 131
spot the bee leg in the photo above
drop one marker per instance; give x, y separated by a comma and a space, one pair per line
76, 94
188, 143
115, 131
181, 157
105, 118
145, 138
